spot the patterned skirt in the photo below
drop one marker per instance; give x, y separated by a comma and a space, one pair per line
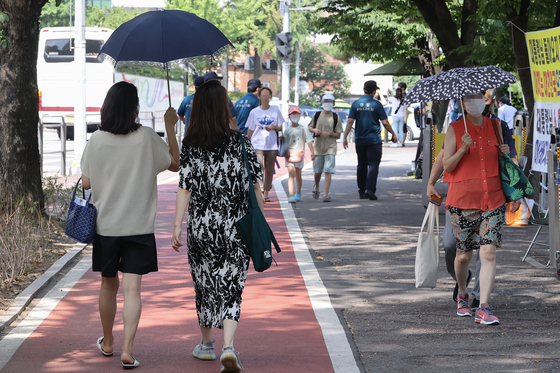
218, 271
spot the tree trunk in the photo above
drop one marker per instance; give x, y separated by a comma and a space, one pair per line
438, 17
257, 65
20, 170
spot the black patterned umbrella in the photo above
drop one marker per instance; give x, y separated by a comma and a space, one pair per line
457, 83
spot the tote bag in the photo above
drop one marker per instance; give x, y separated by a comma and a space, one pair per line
427, 250
254, 229
514, 182
80, 223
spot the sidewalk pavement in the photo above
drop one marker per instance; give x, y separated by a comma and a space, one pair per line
364, 251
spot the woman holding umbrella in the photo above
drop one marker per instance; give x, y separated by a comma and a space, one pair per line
476, 201
214, 185
120, 164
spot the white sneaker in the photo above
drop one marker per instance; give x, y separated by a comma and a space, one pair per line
394, 145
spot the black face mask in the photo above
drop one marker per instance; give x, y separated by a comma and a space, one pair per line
486, 111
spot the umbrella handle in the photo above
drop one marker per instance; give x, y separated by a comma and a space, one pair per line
464, 121
168, 88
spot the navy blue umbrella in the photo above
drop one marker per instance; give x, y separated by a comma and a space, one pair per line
164, 38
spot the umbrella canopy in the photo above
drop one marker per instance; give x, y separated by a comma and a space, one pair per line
457, 83
163, 38
398, 68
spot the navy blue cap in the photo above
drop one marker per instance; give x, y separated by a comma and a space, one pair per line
211, 76
254, 83
198, 81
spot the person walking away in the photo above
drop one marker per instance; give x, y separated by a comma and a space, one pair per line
263, 125
367, 113
120, 164
214, 185
399, 114
506, 112
296, 136
475, 201
213, 76
326, 127
245, 104
184, 111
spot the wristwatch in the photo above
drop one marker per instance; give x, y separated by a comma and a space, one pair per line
331, 135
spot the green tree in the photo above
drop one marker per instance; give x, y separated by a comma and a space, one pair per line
321, 74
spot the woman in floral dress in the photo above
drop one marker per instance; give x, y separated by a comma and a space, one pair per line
214, 184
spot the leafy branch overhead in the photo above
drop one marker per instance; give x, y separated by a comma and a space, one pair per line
4, 40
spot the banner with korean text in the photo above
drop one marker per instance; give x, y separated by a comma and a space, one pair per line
544, 57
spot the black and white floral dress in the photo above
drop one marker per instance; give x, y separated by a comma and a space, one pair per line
218, 258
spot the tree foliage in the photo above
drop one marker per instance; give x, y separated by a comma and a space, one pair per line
322, 74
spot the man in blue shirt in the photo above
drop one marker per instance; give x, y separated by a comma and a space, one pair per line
245, 104
367, 113
184, 111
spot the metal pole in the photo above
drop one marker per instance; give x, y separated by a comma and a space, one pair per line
80, 126
286, 67
296, 97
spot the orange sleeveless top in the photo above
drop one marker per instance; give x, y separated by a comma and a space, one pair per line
475, 183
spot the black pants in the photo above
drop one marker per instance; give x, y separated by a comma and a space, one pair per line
369, 158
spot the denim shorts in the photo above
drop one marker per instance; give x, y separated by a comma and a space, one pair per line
294, 164
324, 163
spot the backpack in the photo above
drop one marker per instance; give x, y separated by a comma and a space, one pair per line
316, 118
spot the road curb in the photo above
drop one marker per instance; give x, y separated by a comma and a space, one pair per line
26, 296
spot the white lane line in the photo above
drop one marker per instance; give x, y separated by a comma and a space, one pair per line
340, 352
11, 342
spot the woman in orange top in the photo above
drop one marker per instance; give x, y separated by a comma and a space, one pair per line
475, 200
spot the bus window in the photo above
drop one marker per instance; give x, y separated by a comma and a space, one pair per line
62, 50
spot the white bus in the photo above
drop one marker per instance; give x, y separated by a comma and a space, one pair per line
56, 80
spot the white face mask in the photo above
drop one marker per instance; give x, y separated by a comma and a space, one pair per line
328, 106
295, 118
475, 106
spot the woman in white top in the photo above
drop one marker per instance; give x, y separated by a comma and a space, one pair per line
120, 164
263, 124
398, 116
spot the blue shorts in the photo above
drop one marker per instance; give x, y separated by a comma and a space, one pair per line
324, 163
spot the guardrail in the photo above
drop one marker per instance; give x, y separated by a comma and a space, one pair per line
62, 151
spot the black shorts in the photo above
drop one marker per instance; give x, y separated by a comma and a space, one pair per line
128, 254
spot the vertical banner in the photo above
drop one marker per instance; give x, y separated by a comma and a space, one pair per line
544, 57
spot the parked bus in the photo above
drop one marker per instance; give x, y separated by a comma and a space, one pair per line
56, 80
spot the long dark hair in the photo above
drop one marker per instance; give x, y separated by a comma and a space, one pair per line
120, 109
210, 119
398, 94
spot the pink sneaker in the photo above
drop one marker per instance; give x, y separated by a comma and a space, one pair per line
463, 308
485, 316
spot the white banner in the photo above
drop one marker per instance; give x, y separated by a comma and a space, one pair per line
546, 117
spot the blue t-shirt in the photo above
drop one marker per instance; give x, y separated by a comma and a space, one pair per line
185, 109
243, 106
367, 113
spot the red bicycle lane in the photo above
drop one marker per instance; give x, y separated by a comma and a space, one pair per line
278, 330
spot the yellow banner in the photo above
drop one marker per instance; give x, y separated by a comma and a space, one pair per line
544, 56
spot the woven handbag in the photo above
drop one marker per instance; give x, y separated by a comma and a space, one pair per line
254, 229
514, 182
80, 224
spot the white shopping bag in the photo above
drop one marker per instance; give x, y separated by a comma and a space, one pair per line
427, 251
